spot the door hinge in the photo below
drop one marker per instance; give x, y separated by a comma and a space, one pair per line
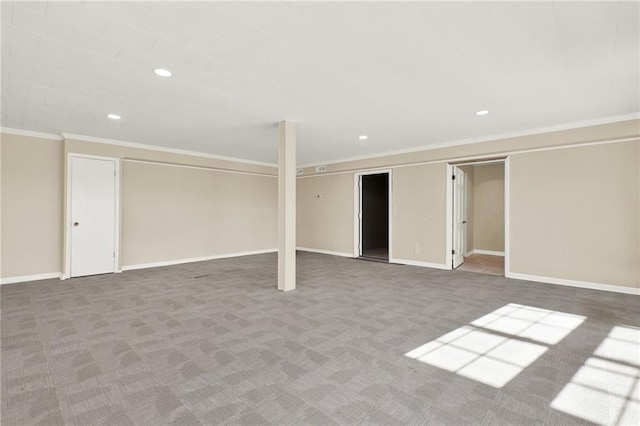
453, 252
453, 177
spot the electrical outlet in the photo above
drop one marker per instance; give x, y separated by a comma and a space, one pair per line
299, 172
321, 169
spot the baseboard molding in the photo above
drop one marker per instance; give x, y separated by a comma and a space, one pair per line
573, 283
24, 278
195, 259
489, 252
332, 253
419, 263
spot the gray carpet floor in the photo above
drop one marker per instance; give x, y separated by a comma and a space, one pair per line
215, 343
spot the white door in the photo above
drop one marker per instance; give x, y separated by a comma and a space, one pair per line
459, 216
360, 216
93, 216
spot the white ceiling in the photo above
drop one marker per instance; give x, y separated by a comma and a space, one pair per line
405, 74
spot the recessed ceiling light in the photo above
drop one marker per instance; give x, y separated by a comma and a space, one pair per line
363, 137
482, 112
114, 116
162, 72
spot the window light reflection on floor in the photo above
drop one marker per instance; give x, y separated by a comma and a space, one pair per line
606, 389
495, 348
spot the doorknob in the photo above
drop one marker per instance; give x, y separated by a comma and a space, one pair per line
464, 221
76, 223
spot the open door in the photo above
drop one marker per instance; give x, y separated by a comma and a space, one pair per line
459, 216
373, 225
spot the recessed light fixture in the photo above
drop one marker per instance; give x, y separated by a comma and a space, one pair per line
114, 116
482, 112
162, 72
363, 137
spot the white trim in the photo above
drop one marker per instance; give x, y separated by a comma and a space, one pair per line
187, 166
20, 132
448, 223
24, 278
357, 198
418, 263
475, 158
498, 136
573, 283
357, 232
332, 253
137, 145
487, 252
507, 213
481, 163
67, 219
196, 259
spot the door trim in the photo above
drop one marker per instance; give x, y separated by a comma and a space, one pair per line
67, 219
357, 233
449, 213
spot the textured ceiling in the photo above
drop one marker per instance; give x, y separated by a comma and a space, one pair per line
405, 74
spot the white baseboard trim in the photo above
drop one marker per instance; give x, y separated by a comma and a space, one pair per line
24, 278
419, 263
489, 252
195, 259
332, 253
573, 283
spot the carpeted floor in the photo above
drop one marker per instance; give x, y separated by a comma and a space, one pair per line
215, 343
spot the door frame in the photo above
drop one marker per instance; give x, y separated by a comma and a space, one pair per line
449, 209
463, 213
357, 204
67, 214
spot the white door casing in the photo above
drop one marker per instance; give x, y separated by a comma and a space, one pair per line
459, 216
357, 209
359, 215
93, 215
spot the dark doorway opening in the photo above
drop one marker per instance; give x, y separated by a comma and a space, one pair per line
375, 217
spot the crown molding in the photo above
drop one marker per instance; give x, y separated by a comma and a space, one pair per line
21, 132
470, 141
117, 142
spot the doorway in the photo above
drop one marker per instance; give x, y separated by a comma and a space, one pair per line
373, 218
478, 220
92, 215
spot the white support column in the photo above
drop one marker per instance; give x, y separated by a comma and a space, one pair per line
286, 206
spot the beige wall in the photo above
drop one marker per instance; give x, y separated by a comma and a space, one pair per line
488, 207
575, 213
242, 220
595, 218
171, 213
325, 213
107, 150
168, 212
419, 213
31, 191
622, 129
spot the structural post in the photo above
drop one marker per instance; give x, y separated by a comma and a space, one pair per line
286, 206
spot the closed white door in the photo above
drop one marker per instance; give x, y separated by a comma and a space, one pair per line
459, 216
93, 216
